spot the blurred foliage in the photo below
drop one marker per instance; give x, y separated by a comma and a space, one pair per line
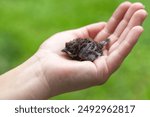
25, 24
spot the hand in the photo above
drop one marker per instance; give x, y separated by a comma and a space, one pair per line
51, 72
62, 74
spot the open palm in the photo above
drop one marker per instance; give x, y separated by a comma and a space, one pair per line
63, 74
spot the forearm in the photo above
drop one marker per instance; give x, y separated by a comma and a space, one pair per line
23, 82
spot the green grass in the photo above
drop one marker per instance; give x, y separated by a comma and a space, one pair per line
25, 24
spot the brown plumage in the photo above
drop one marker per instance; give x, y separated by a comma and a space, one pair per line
84, 49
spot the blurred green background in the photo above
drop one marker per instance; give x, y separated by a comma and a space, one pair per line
25, 24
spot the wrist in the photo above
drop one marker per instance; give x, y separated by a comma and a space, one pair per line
24, 82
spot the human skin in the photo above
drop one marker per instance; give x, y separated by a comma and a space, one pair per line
50, 72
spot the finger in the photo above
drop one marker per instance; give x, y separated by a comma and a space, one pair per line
123, 24
137, 19
116, 57
114, 21
90, 31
